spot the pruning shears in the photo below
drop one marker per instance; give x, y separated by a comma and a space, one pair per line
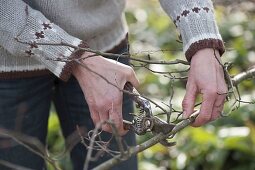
146, 121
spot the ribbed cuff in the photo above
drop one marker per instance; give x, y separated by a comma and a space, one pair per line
206, 43
43, 42
67, 70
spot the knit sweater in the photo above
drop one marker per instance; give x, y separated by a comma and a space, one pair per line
99, 23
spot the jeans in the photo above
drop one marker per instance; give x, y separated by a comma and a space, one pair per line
25, 105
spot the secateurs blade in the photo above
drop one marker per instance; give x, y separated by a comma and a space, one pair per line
146, 121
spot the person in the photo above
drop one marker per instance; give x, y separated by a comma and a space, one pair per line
32, 75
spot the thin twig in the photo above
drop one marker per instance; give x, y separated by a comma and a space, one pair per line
32, 144
149, 143
91, 144
117, 138
105, 54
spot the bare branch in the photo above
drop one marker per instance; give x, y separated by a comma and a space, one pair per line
177, 61
132, 151
117, 138
91, 146
31, 143
122, 154
250, 73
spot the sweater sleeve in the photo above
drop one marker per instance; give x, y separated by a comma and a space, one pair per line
196, 23
18, 20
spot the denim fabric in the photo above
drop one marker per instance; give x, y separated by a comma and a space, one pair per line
25, 105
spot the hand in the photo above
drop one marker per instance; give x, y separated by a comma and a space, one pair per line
104, 100
206, 77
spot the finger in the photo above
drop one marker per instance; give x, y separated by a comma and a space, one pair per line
116, 117
222, 89
132, 78
94, 116
206, 109
189, 99
104, 116
218, 106
217, 112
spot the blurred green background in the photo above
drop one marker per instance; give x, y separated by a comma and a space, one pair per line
226, 144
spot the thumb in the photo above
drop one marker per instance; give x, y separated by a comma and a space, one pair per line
189, 100
132, 78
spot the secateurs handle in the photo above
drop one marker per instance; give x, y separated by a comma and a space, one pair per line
141, 103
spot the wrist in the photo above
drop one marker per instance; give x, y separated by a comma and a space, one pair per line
88, 60
206, 56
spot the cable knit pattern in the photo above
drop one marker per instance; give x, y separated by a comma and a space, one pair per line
195, 20
99, 23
